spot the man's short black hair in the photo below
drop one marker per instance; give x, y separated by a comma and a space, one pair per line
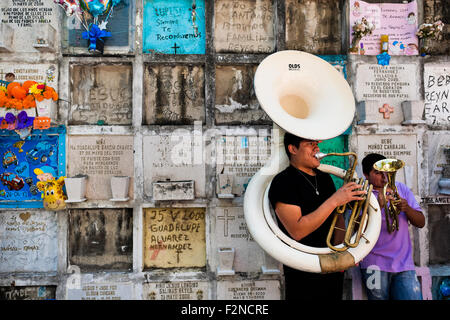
369, 160
289, 138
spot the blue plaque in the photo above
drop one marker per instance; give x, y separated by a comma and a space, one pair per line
43, 149
174, 27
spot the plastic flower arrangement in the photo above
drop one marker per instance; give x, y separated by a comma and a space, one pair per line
362, 28
23, 96
430, 30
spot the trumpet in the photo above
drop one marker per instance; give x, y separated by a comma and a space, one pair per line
390, 168
359, 205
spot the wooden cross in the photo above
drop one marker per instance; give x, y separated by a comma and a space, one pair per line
386, 110
175, 47
225, 218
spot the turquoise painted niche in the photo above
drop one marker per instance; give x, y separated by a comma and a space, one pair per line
174, 27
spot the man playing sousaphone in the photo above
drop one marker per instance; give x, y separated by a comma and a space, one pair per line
388, 271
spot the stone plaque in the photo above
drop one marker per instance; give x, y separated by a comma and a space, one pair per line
174, 27
439, 151
176, 290
174, 94
244, 26
437, 88
101, 94
175, 156
248, 290
45, 72
101, 239
236, 102
28, 241
102, 291
439, 229
178, 190
242, 157
34, 24
395, 82
313, 26
100, 158
402, 147
28, 293
231, 232
174, 237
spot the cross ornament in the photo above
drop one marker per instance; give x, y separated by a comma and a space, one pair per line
386, 110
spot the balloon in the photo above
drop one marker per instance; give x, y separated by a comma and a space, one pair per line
11, 86
96, 7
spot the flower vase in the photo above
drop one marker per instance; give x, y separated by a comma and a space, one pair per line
46, 108
424, 46
354, 48
76, 188
119, 188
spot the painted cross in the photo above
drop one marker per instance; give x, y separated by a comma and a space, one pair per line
175, 47
225, 218
157, 250
386, 110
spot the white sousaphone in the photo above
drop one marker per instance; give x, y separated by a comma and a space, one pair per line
306, 96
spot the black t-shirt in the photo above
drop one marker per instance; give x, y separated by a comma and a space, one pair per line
291, 187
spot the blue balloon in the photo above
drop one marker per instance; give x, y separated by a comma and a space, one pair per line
96, 8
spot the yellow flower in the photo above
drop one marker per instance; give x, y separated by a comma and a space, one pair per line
2, 88
34, 89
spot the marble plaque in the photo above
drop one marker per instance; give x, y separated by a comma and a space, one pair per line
175, 156
314, 26
101, 239
244, 26
174, 237
101, 94
28, 241
235, 101
174, 27
397, 146
439, 229
100, 158
176, 290
231, 232
248, 290
437, 88
242, 157
178, 190
395, 82
28, 293
34, 24
102, 291
174, 94
439, 156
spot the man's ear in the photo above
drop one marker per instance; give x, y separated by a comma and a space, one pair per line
292, 149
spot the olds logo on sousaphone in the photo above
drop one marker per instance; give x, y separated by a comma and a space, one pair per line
306, 96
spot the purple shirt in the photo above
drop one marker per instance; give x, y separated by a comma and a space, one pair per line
393, 252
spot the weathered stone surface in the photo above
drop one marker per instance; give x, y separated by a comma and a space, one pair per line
100, 158
28, 241
28, 293
434, 10
174, 237
244, 26
236, 102
437, 87
439, 229
248, 290
175, 156
439, 147
177, 190
30, 21
314, 26
101, 94
176, 290
101, 239
174, 94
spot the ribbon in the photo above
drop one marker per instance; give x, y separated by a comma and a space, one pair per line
383, 59
94, 34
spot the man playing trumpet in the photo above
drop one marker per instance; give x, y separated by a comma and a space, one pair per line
388, 271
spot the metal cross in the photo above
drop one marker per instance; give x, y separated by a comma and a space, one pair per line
386, 110
175, 47
225, 218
